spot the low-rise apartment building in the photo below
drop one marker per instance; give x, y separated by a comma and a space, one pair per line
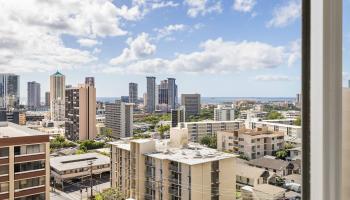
253, 143
24, 163
197, 130
287, 129
149, 169
66, 168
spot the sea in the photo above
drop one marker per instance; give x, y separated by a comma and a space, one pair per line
219, 100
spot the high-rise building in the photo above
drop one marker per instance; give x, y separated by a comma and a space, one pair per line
163, 92
47, 98
151, 94
192, 103
119, 118
33, 95
156, 169
298, 102
90, 81
133, 93
80, 112
124, 99
9, 91
25, 165
172, 93
57, 96
177, 116
224, 113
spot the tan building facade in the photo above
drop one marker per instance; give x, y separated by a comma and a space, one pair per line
57, 96
80, 112
253, 143
24, 163
156, 169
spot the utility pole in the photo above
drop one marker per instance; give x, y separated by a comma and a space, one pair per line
91, 194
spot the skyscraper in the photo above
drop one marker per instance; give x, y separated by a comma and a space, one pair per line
151, 94
163, 92
133, 93
172, 93
80, 106
9, 91
177, 116
90, 81
33, 95
192, 104
57, 96
119, 118
47, 98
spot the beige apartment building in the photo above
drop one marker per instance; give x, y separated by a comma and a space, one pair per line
150, 169
197, 130
57, 96
80, 106
253, 143
24, 163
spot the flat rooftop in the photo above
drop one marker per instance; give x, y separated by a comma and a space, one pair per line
71, 162
193, 154
11, 130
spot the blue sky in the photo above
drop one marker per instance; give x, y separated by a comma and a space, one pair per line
213, 47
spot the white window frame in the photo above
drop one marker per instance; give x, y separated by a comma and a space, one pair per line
324, 122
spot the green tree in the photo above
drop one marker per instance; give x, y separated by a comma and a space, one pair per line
297, 122
110, 194
162, 129
282, 154
242, 156
209, 141
274, 115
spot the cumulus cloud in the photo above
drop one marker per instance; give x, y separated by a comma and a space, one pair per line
273, 78
138, 48
295, 52
202, 7
31, 32
215, 56
168, 30
85, 42
285, 14
244, 5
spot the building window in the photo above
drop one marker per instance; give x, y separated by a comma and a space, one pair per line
28, 183
29, 166
4, 187
4, 152
33, 197
4, 169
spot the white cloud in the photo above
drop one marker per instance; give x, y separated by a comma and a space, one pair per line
31, 32
295, 52
215, 56
140, 8
273, 78
286, 14
139, 47
202, 7
85, 42
168, 30
244, 5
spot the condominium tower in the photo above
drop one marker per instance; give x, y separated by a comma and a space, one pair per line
24, 163
80, 112
57, 96
192, 104
223, 113
133, 93
9, 91
119, 118
161, 169
151, 94
33, 95
177, 116
47, 98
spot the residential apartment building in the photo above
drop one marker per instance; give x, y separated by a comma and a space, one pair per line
253, 143
9, 91
119, 118
197, 130
90, 81
151, 94
24, 163
47, 99
33, 95
148, 169
57, 96
288, 130
177, 116
224, 113
192, 104
250, 176
80, 110
133, 93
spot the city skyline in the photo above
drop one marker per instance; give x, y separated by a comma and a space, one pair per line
135, 39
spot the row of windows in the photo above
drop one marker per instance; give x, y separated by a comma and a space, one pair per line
29, 166
29, 149
33, 197
28, 183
